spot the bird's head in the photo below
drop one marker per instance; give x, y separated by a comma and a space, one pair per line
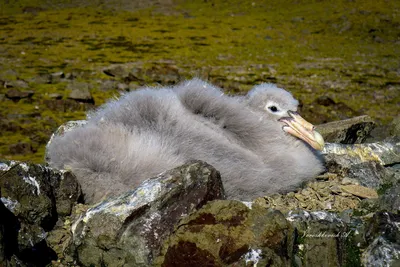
279, 105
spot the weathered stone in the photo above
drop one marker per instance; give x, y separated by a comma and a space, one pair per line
56, 96
325, 109
363, 162
17, 84
350, 131
21, 148
67, 192
57, 77
360, 191
165, 74
324, 239
80, 92
116, 71
386, 133
108, 85
394, 127
32, 195
390, 200
66, 105
383, 236
129, 230
15, 94
3, 211
44, 78
228, 232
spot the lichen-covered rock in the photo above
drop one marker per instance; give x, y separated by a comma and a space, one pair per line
3, 210
129, 230
324, 239
350, 131
363, 162
390, 199
35, 197
228, 233
383, 236
386, 133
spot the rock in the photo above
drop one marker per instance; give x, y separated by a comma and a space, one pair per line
80, 92
390, 200
43, 78
324, 109
130, 229
164, 74
15, 94
381, 152
116, 71
324, 233
360, 191
17, 84
386, 133
383, 236
56, 96
3, 211
350, 131
363, 162
66, 105
228, 233
325, 101
394, 127
21, 148
32, 195
108, 85
32, 9
67, 193
57, 77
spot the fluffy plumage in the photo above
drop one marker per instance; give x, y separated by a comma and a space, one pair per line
151, 130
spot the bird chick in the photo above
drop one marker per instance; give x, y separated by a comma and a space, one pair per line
259, 143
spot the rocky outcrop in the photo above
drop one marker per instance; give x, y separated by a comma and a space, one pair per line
350, 131
225, 233
348, 214
129, 230
33, 199
364, 162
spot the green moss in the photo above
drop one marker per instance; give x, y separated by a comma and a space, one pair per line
383, 188
352, 252
345, 49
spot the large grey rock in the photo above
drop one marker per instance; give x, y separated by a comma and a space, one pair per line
350, 131
35, 197
129, 230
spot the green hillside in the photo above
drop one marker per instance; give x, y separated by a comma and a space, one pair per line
340, 58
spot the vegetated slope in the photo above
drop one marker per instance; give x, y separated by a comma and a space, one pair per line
340, 58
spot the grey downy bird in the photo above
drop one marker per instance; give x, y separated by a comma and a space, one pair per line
258, 142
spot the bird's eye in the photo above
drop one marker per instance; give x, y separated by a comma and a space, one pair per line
273, 108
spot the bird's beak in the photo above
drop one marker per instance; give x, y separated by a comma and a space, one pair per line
299, 127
